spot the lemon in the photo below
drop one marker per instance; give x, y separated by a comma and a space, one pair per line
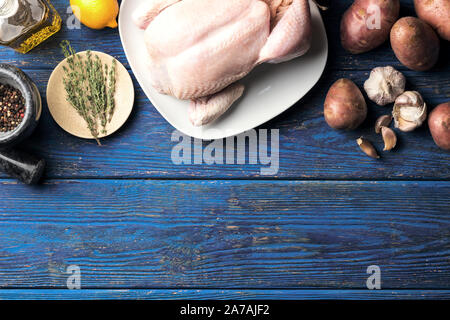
96, 14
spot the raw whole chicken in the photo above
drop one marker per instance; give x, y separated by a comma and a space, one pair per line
198, 49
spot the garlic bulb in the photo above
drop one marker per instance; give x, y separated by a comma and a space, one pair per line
410, 111
384, 85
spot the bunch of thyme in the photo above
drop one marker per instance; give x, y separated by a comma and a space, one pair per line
90, 88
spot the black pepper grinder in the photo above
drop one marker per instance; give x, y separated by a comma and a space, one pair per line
19, 120
23, 166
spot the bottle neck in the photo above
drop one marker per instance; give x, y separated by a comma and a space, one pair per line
8, 8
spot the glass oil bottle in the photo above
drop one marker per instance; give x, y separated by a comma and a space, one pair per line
24, 24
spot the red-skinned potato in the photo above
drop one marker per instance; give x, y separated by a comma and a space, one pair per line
439, 123
415, 43
367, 23
436, 13
345, 107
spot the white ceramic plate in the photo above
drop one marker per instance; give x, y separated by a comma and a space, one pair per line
270, 89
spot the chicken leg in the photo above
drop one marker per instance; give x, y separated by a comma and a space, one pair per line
291, 31
207, 109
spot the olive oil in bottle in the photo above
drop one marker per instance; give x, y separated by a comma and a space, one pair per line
26, 23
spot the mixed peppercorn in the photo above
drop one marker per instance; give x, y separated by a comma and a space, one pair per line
12, 108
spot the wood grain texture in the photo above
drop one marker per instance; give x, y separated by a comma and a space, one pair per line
309, 149
190, 236
207, 294
225, 234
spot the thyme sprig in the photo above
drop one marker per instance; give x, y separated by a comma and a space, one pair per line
90, 88
111, 91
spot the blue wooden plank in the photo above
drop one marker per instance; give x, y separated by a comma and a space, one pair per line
205, 294
225, 234
230, 234
309, 149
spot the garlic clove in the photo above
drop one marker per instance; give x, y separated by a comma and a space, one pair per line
405, 126
367, 147
384, 85
383, 121
410, 111
389, 138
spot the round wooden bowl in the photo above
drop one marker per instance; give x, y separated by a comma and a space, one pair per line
68, 118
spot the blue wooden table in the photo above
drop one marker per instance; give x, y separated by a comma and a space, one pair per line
139, 226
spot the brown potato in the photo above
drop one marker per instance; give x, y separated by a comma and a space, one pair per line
415, 43
436, 13
345, 107
367, 23
439, 123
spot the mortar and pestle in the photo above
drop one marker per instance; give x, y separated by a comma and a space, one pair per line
23, 166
